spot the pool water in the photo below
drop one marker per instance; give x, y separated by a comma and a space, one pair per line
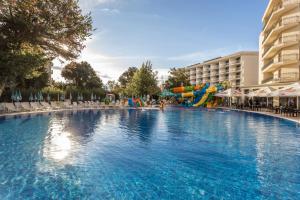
134, 154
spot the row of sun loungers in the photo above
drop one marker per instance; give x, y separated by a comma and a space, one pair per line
44, 106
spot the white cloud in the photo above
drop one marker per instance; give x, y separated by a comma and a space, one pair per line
199, 55
111, 67
110, 11
88, 5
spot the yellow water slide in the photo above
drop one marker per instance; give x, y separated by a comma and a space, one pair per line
211, 89
187, 94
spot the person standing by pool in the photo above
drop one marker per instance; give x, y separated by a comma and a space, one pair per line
162, 105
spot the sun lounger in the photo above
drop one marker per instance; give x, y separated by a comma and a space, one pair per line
46, 105
56, 105
36, 106
80, 104
10, 107
88, 104
26, 106
67, 105
2, 108
75, 105
18, 106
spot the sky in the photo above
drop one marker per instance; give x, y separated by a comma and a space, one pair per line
170, 33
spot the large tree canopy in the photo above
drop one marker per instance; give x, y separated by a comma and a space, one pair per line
81, 75
33, 32
56, 26
143, 82
178, 77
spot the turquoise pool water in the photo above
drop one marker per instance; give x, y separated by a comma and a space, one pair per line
129, 154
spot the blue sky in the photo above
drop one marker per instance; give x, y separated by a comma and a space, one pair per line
170, 33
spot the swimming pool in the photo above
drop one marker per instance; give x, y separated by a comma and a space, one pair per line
134, 154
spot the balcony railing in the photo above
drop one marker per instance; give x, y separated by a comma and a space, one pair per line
276, 8
267, 49
283, 40
271, 13
287, 77
283, 58
282, 22
289, 57
268, 64
288, 2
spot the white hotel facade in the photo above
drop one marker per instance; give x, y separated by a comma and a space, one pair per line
280, 43
239, 69
277, 63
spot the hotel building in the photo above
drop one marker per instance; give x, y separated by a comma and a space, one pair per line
239, 69
280, 43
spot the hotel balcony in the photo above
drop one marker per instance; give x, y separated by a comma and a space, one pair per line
193, 73
284, 78
236, 77
214, 73
222, 78
213, 67
224, 72
192, 77
282, 25
206, 75
285, 59
287, 77
236, 62
278, 11
234, 70
279, 44
222, 66
233, 84
214, 80
206, 70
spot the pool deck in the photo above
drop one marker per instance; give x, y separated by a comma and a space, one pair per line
293, 119
75, 109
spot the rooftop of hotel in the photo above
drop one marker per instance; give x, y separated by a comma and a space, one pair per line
221, 58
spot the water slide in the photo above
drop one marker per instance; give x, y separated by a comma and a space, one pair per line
199, 94
186, 89
135, 102
210, 90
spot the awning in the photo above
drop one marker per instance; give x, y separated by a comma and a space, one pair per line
287, 91
229, 93
263, 92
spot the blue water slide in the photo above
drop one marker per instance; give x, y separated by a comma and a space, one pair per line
130, 102
199, 94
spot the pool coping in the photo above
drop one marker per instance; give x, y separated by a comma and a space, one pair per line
297, 120
68, 109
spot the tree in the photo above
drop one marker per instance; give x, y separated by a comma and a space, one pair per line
32, 32
113, 87
56, 26
143, 82
126, 77
81, 75
178, 77
18, 65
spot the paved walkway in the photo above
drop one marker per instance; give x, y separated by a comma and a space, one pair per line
293, 119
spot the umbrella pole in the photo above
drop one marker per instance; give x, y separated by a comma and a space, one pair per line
297, 103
